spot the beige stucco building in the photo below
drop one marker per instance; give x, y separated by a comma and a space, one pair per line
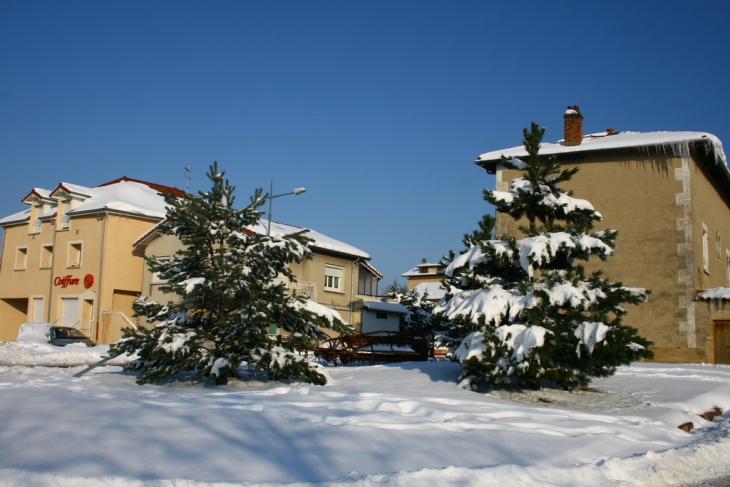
668, 195
339, 275
426, 278
69, 258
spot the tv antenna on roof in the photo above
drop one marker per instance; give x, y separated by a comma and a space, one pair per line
187, 178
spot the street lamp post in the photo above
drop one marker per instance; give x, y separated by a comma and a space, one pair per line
295, 191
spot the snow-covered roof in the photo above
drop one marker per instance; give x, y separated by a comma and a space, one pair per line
385, 306
40, 193
123, 195
416, 271
372, 269
72, 189
20, 217
321, 241
433, 290
677, 142
715, 294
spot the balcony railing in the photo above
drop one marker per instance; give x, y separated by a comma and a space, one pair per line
309, 289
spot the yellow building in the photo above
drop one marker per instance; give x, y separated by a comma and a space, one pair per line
69, 258
339, 276
426, 279
668, 195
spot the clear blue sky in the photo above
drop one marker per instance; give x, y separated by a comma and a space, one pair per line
378, 108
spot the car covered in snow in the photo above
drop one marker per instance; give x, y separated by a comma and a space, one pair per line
59, 336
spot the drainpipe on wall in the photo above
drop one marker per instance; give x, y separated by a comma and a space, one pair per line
99, 216
352, 288
53, 266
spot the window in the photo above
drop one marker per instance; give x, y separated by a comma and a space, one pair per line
74, 254
21, 258
718, 244
367, 283
156, 275
35, 223
727, 266
381, 315
332, 278
64, 205
46, 256
705, 249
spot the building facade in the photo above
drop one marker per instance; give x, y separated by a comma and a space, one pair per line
426, 278
668, 195
69, 258
338, 276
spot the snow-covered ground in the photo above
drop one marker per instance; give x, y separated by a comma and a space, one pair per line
402, 424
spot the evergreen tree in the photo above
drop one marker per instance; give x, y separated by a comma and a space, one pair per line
420, 315
231, 283
522, 310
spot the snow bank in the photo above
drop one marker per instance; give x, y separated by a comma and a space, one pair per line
47, 355
411, 424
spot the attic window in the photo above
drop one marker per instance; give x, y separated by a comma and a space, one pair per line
35, 223
64, 206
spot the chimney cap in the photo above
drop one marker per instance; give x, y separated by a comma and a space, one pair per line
574, 110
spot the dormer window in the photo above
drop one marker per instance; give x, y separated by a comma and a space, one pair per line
34, 226
64, 205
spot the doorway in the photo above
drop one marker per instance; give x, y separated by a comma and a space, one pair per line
721, 339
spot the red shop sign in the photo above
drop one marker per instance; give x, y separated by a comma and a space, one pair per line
66, 281
88, 281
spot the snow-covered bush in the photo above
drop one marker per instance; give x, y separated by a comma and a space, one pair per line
522, 310
230, 285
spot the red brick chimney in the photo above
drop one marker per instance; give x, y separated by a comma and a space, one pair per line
573, 126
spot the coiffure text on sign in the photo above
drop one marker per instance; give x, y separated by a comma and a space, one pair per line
73, 281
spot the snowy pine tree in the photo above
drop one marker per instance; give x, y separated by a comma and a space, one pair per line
420, 315
231, 285
522, 311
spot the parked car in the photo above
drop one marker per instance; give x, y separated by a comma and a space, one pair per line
59, 336
64, 335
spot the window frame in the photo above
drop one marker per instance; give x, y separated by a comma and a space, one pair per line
78, 263
155, 275
21, 254
331, 276
44, 253
705, 249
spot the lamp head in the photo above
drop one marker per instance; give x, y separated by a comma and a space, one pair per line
299, 190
